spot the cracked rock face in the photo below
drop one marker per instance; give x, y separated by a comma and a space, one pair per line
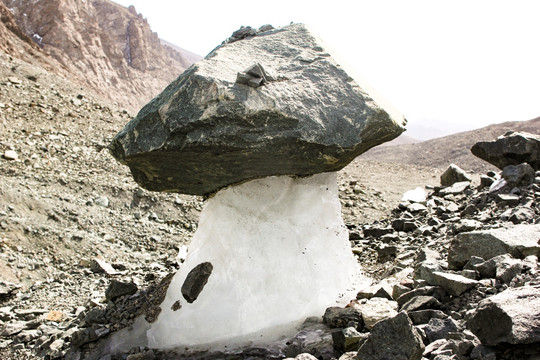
206, 131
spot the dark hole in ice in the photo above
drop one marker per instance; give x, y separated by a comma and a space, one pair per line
195, 281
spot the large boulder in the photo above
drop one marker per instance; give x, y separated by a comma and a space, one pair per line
512, 148
512, 316
519, 241
273, 103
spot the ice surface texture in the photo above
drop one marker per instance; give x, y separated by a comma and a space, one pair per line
279, 252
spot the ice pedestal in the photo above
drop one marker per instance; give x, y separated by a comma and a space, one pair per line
279, 252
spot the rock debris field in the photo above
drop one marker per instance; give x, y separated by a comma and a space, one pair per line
84, 250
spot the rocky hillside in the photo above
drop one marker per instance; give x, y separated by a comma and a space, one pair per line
455, 148
106, 47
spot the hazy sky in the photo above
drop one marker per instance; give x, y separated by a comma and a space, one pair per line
441, 63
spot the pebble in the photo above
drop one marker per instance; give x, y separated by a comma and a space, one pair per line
11, 155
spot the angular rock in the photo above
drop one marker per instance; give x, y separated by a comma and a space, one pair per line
509, 199
486, 181
117, 288
522, 214
195, 281
512, 316
347, 339
440, 328
511, 148
421, 291
205, 131
10, 155
375, 310
99, 266
454, 174
393, 338
421, 303
8, 289
456, 188
425, 270
423, 316
337, 317
452, 283
351, 355
518, 175
519, 241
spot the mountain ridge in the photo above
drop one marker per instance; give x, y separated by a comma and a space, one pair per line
455, 148
106, 47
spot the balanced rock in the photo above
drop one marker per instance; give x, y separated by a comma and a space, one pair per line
512, 148
272, 104
513, 317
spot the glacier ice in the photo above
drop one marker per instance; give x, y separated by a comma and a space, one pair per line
279, 253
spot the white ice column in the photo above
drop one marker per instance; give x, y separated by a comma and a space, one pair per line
279, 252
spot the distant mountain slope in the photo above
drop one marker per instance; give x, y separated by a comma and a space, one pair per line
400, 140
454, 148
105, 46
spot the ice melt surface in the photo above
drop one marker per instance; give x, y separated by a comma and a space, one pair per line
280, 253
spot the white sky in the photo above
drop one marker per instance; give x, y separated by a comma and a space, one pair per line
444, 64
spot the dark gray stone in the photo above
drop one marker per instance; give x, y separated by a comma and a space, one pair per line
508, 199
511, 148
421, 303
423, 316
440, 328
486, 181
392, 338
205, 131
117, 289
454, 174
421, 291
518, 175
195, 281
512, 316
453, 284
522, 214
337, 317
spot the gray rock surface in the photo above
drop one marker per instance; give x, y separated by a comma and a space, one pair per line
511, 148
118, 288
453, 284
513, 316
205, 131
375, 310
337, 317
454, 174
518, 175
519, 241
393, 338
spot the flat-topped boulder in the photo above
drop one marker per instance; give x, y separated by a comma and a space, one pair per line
272, 104
512, 148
